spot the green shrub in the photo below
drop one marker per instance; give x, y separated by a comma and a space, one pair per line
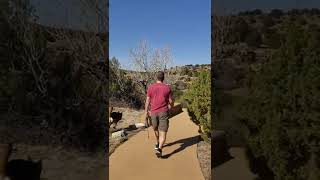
282, 112
273, 39
268, 21
253, 38
196, 74
123, 88
198, 97
301, 21
241, 29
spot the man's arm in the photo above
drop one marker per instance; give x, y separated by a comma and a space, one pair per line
171, 100
146, 108
147, 104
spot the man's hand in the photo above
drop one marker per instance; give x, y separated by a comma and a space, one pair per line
147, 111
147, 123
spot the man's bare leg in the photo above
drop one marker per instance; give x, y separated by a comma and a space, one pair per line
162, 138
156, 134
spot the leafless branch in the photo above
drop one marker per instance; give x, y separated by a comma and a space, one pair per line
147, 61
27, 33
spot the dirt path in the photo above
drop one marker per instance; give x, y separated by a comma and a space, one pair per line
238, 165
136, 159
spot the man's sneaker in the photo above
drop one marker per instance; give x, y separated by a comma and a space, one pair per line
159, 152
156, 146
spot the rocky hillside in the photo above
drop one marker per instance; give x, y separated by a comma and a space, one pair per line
178, 76
181, 76
189, 70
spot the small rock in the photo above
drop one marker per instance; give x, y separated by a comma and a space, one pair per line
118, 134
138, 125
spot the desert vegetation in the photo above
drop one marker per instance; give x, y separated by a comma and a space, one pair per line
190, 83
123, 88
284, 129
53, 81
130, 86
267, 73
198, 97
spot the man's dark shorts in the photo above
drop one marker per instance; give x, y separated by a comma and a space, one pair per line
160, 121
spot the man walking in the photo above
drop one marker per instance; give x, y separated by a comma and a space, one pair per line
160, 100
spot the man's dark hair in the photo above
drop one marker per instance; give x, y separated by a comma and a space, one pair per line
160, 76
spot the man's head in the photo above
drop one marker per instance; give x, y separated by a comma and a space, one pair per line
160, 76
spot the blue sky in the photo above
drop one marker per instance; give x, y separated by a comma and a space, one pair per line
184, 26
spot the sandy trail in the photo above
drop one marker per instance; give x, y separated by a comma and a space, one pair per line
136, 159
238, 165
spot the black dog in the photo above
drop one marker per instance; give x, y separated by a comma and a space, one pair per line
20, 169
116, 117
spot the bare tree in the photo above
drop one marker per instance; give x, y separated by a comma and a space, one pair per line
28, 35
147, 61
87, 49
88, 46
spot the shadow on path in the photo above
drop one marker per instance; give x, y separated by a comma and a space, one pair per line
24, 169
131, 128
220, 159
184, 144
